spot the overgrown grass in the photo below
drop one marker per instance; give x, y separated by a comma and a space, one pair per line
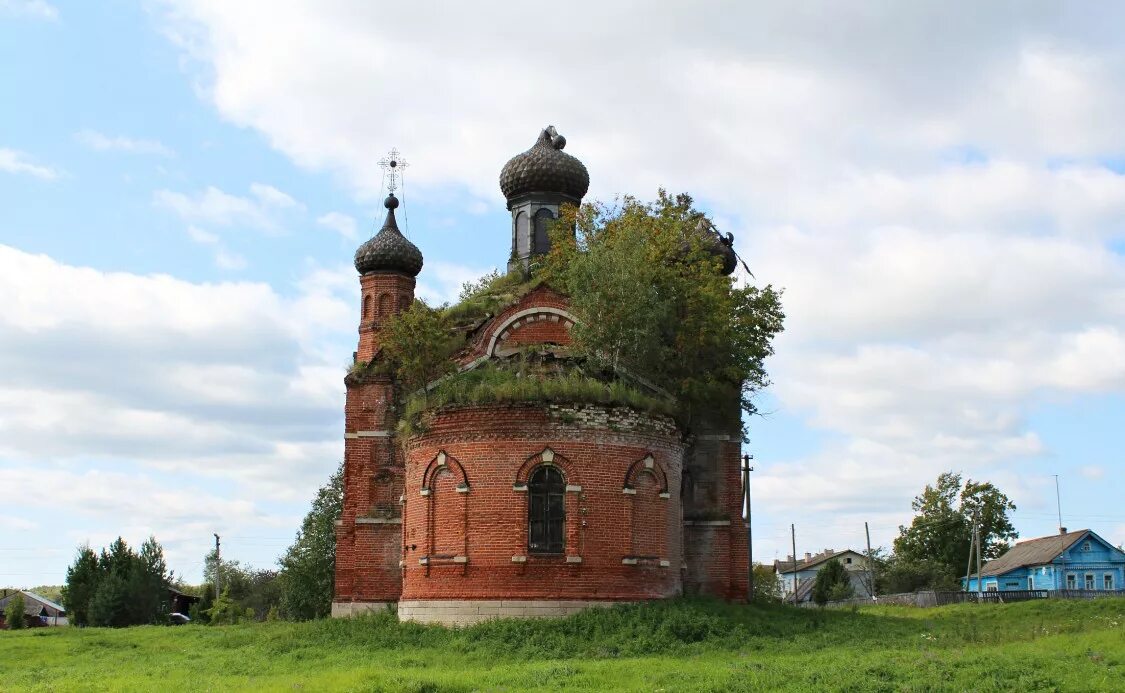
673, 646
488, 297
494, 385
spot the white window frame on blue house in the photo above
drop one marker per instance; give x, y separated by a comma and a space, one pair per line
1107, 582
1071, 581
1090, 583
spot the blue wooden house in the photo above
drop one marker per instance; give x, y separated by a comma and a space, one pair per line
1065, 561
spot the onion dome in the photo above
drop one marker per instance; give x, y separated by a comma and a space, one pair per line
545, 169
718, 244
389, 250
724, 248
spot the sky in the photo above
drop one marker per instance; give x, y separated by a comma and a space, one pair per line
938, 187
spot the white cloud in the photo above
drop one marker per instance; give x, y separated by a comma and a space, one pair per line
13, 161
103, 143
339, 222
213, 206
227, 379
442, 281
1092, 471
39, 9
927, 180
202, 236
224, 258
272, 197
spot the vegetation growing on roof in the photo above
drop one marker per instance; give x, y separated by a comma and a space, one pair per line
646, 287
487, 296
515, 382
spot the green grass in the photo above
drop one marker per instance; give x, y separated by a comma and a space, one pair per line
681, 645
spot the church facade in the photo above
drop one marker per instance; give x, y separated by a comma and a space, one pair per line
524, 509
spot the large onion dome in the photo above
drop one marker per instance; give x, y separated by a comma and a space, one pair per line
389, 250
545, 168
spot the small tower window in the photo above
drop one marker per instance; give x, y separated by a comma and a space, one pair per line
367, 307
546, 511
542, 241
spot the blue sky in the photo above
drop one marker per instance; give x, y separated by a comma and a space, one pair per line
183, 184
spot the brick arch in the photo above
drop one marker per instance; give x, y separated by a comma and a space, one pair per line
442, 461
386, 305
520, 318
546, 457
647, 463
367, 307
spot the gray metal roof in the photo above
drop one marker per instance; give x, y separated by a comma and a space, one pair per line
814, 561
1032, 552
545, 168
32, 602
389, 250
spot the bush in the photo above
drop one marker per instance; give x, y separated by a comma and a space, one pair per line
225, 611
833, 583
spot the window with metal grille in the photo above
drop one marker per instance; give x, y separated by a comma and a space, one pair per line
546, 511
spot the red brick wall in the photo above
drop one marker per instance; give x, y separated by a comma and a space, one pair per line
540, 297
381, 295
497, 447
368, 552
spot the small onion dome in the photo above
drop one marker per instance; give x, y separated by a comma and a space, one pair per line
389, 250
545, 169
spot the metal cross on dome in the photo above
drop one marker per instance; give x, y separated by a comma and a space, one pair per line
392, 165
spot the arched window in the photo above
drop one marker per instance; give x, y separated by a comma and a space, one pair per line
546, 511
542, 242
367, 307
523, 235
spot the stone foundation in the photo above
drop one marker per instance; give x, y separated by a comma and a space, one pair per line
346, 609
454, 612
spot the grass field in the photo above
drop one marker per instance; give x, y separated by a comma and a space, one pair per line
675, 646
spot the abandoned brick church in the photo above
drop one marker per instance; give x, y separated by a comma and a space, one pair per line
523, 509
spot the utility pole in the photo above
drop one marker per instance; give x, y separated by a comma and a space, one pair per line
969, 566
1060, 578
218, 567
1058, 502
980, 587
793, 535
870, 562
746, 469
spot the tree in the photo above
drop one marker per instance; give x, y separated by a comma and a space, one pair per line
984, 504
647, 289
308, 568
118, 587
225, 611
81, 581
833, 583
767, 585
416, 345
936, 544
13, 612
